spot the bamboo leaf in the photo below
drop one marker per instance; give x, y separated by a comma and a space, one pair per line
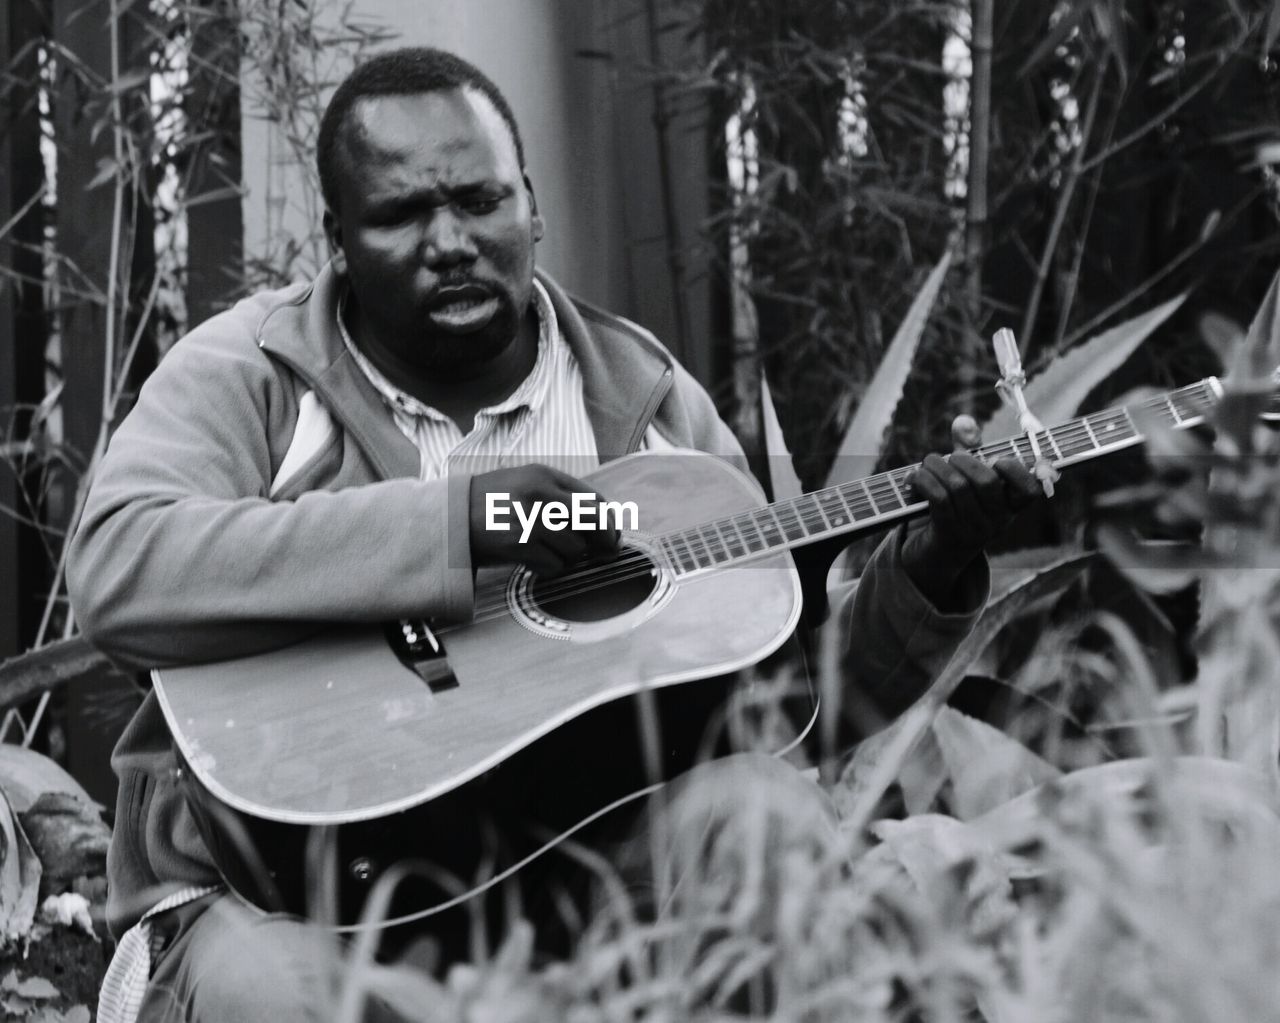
863, 438
1056, 393
782, 474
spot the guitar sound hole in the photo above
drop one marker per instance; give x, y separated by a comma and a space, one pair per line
596, 593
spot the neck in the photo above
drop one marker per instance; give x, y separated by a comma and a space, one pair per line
886, 497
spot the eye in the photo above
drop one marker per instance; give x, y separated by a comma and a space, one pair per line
479, 205
389, 217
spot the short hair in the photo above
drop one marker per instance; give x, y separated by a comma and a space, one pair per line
404, 72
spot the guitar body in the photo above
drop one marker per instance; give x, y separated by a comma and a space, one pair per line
337, 732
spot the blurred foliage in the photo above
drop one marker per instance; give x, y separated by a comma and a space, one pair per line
1127, 163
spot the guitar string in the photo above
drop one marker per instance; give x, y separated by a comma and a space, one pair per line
1069, 438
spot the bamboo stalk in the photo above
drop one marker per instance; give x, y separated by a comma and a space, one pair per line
979, 151
1059, 217
977, 215
661, 121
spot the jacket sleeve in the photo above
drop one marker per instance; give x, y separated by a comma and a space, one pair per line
181, 557
894, 641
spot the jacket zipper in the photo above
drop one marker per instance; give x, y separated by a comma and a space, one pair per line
655, 399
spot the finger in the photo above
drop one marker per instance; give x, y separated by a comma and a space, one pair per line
542, 561
968, 519
928, 483
1020, 483
986, 484
965, 432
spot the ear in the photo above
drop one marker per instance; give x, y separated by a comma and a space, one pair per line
539, 227
333, 235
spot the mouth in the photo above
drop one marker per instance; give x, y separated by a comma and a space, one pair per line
462, 309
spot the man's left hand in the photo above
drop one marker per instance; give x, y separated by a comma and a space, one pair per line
970, 504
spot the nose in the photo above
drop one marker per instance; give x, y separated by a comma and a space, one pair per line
446, 241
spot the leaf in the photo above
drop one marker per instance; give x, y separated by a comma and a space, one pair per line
877, 760
986, 766
1217, 789
106, 171
782, 474
1057, 392
215, 195
19, 876
929, 847
26, 775
1221, 335
1010, 569
863, 438
1258, 358
1158, 567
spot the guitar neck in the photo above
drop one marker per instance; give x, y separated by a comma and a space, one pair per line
877, 500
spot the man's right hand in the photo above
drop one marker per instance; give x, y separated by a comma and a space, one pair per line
545, 551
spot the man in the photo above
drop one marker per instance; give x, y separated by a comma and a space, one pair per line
289, 464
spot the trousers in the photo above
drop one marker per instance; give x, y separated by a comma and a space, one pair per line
225, 962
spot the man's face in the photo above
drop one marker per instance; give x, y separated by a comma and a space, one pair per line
436, 227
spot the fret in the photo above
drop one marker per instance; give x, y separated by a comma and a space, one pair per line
733, 542
771, 529
1110, 427
684, 556
702, 557
840, 492
714, 544
811, 516
1173, 409
835, 510
1093, 437
897, 492
1052, 443
870, 500
1068, 439
761, 542
884, 491
790, 521
1132, 426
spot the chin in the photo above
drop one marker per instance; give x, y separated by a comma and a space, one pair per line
465, 351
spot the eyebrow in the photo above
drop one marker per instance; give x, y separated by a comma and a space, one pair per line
451, 191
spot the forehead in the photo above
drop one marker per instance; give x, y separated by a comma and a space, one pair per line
454, 131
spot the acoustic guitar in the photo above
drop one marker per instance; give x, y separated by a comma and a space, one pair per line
387, 734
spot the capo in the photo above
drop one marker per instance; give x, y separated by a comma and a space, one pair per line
1009, 387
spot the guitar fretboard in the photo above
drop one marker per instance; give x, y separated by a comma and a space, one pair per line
887, 496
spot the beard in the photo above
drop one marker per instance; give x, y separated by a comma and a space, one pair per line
443, 351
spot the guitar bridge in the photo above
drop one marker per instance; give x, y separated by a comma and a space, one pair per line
422, 652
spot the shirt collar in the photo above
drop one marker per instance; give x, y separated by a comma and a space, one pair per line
531, 393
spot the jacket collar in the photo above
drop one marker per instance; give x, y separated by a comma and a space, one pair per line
622, 372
